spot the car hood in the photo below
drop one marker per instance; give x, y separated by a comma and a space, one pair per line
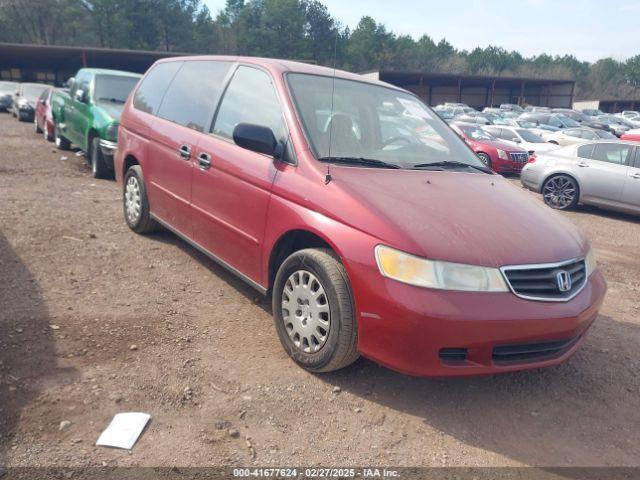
454, 216
113, 110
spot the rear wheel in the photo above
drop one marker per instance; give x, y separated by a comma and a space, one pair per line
61, 142
313, 311
484, 158
135, 203
560, 192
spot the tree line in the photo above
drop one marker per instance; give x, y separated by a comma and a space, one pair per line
294, 29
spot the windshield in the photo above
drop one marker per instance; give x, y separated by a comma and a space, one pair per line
33, 91
373, 122
114, 88
568, 122
529, 136
603, 134
476, 133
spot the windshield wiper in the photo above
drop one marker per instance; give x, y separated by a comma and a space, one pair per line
452, 164
112, 100
365, 162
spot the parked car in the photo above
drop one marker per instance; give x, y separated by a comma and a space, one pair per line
493, 110
445, 113
592, 112
583, 119
363, 244
617, 125
531, 108
501, 156
7, 89
511, 107
551, 119
474, 117
569, 136
43, 119
87, 115
631, 135
522, 137
629, 113
605, 174
25, 99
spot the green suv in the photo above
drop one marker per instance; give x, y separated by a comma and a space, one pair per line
88, 115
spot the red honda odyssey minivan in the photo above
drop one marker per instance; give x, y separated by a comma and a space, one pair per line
369, 222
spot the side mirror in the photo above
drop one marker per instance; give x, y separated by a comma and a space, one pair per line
69, 82
256, 138
81, 96
516, 140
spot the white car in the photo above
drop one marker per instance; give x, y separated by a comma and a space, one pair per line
571, 136
522, 137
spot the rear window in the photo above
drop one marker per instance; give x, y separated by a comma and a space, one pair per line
152, 89
194, 93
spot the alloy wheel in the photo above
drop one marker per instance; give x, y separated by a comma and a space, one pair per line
559, 192
132, 200
305, 311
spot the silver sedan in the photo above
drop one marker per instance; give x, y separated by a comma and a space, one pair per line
606, 174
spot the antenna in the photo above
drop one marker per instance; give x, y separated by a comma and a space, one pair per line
328, 177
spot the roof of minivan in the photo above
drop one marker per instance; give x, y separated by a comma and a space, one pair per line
106, 71
284, 66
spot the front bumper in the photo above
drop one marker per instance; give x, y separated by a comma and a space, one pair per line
408, 328
108, 148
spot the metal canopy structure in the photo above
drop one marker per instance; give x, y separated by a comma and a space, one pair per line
481, 91
54, 64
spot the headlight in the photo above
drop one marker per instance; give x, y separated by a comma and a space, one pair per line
502, 154
407, 268
590, 262
112, 132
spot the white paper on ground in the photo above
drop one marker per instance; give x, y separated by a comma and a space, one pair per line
124, 430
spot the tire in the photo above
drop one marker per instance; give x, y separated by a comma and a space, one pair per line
35, 122
561, 192
484, 158
61, 142
140, 222
99, 168
300, 333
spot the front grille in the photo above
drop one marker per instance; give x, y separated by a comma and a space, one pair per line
552, 282
524, 352
519, 157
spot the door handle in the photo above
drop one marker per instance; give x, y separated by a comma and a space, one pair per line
582, 164
634, 175
185, 152
204, 161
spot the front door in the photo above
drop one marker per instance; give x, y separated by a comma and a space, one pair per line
232, 185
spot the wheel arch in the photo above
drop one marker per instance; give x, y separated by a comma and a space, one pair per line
566, 174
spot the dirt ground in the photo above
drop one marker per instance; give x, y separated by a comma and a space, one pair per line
96, 320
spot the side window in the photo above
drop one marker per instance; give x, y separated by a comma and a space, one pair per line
573, 133
585, 151
588, 135
76, 83
611, 152
152, 89
554, 122
193, 94
637, 161
250, 98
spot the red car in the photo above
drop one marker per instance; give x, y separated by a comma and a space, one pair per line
631, 135
503, 157
370, 237
43, 120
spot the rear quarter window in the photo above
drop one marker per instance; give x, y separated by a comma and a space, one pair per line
194, 93
153, 87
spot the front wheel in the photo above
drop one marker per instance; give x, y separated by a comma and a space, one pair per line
560, 192
313, 311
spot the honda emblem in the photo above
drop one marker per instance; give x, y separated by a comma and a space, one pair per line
563, 279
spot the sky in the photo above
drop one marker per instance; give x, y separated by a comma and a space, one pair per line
587, 29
